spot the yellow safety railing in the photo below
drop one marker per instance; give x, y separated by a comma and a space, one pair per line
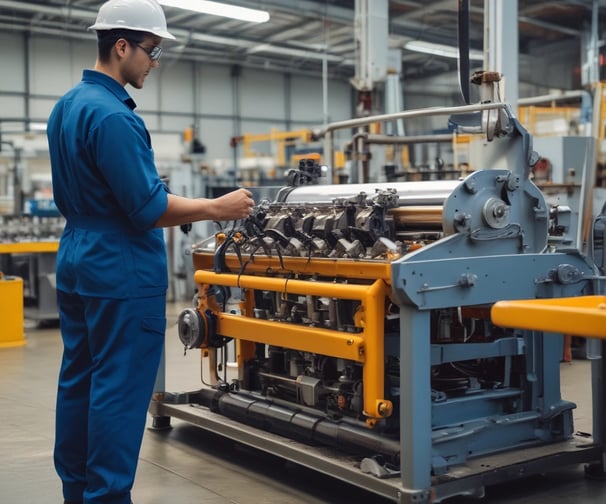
577, 316
365, 347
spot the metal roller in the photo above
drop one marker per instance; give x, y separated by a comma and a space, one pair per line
427, 192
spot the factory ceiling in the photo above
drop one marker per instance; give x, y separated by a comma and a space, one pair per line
301, 35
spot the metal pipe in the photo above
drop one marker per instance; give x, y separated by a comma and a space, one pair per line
283, 285
300, 424
372, 318
397, 140
407, 114
350, 346
554, 97
59, 11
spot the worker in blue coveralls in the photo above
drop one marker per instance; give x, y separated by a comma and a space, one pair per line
111, 265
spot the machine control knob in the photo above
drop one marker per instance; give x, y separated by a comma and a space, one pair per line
496, 213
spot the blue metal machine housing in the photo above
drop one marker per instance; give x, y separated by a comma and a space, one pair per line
462, 389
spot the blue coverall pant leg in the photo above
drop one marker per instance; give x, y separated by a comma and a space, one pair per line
112, 349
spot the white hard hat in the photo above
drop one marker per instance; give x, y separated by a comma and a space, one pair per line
139, 15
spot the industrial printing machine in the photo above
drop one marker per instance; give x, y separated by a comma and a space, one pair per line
347, 327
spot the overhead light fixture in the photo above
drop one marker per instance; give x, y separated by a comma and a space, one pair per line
440, 50
219, 9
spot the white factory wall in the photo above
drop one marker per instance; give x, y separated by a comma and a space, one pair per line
178, 95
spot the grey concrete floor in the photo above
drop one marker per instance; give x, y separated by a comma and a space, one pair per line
187, 465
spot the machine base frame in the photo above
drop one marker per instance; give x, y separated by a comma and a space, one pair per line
467, 479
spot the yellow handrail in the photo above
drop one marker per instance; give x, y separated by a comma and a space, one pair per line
577, 316
366, 346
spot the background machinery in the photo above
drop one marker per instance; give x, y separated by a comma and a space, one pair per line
348, 327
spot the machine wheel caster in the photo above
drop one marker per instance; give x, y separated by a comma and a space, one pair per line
160, 423
595, 471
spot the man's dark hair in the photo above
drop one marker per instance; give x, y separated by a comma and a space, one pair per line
107, 38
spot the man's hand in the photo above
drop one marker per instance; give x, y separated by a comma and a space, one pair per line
234, 205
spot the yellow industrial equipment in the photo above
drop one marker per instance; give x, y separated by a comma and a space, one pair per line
11, 312
347, 327
280, 139
29, 247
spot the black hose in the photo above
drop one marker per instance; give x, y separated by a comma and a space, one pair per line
301, 425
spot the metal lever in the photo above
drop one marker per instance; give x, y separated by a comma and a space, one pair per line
466, 280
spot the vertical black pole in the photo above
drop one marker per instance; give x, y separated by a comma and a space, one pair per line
463, 37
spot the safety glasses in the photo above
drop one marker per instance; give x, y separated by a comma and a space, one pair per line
154, 53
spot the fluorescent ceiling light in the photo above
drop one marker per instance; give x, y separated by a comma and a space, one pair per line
440, 50
219, 9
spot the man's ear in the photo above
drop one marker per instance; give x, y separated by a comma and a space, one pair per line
120, 47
